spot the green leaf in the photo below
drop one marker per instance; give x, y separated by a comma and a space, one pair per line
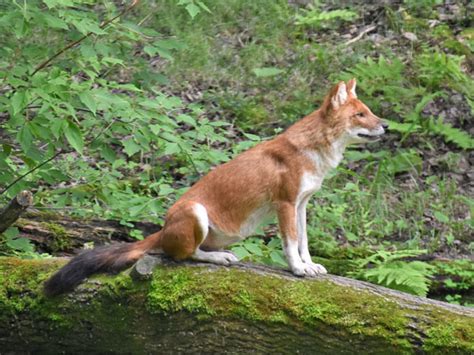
165, 189
171, 148
57, 3
18, 102
277, 258
240, 252
11, 232
186, 119
192, 9
74, 136
25, 137
54, 22
88, 100
441, 217
267, 72
253, 249
203, 6
130, 147
108, 153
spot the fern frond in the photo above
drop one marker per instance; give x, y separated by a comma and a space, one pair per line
451, 134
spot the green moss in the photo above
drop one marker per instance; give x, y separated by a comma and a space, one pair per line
60, 239
175, 292
449, 336
249, 296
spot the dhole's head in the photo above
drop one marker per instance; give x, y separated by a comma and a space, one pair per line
353, 119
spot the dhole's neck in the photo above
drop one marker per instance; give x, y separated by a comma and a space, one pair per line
314, 135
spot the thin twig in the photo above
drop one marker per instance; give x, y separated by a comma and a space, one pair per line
360, 35
59, 152
76, 42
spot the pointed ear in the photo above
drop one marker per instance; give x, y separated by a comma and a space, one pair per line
339, 96
351, 87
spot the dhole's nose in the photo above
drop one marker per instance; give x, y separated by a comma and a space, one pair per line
384, 125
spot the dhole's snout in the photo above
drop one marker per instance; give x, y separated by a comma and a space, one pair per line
372, 134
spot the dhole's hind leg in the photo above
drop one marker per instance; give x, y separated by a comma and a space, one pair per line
185, 230
215, 257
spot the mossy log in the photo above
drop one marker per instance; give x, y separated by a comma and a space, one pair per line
202, 308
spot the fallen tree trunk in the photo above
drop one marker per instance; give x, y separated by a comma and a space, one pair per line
202, 308
59, 234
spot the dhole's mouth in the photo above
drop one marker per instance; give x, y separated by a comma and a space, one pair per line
368, 137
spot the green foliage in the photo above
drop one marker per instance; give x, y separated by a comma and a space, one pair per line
12, 244
458, 278
256, 250
386, 269
387, 79
450, 134
318, 18
101, 128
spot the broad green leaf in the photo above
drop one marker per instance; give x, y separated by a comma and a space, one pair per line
267, 72
108, 153
130, 147
165, 189
193, 10
88, 100
18, 102
25, 137
54, 22
240, 252
57, 3
11, 232
203, 6
441, 217
187, 119
254, 248
74, 136
277, 258
171, 148
57, 127
20, 244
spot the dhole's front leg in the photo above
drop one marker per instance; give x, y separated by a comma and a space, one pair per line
303, 237
287, 219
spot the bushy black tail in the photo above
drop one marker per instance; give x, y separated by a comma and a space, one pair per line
108, 259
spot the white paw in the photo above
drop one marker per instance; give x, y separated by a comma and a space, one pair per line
215, 257
308, 269
228, 258
317, 268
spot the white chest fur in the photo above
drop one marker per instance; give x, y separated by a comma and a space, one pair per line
311, 180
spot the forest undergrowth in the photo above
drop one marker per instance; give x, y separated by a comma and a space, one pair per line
121, 123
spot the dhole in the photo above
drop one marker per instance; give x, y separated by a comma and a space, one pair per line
276, 177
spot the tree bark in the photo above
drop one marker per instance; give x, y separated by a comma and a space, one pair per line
203, 308
66, 236
14, 209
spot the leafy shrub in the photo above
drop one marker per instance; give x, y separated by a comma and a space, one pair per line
74, 126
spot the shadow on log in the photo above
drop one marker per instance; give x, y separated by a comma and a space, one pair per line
202, 308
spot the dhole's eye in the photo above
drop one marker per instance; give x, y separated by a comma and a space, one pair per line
360, 114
